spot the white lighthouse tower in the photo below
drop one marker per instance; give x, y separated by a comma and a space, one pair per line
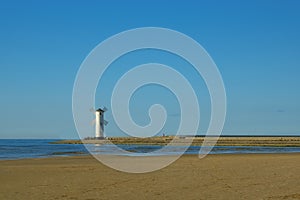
100, 122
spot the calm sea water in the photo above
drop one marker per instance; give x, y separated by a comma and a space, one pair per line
18, 149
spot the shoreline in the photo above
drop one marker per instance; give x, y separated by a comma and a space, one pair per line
88, 156
225, 145
115, 155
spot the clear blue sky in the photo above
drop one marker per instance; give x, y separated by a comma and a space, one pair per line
254, 43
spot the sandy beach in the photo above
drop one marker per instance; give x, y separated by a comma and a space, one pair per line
251, 176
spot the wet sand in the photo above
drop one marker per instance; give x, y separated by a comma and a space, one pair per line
265, 176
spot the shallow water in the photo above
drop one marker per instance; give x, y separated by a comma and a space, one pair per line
18, 149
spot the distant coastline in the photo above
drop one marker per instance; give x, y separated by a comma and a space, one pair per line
264, 141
